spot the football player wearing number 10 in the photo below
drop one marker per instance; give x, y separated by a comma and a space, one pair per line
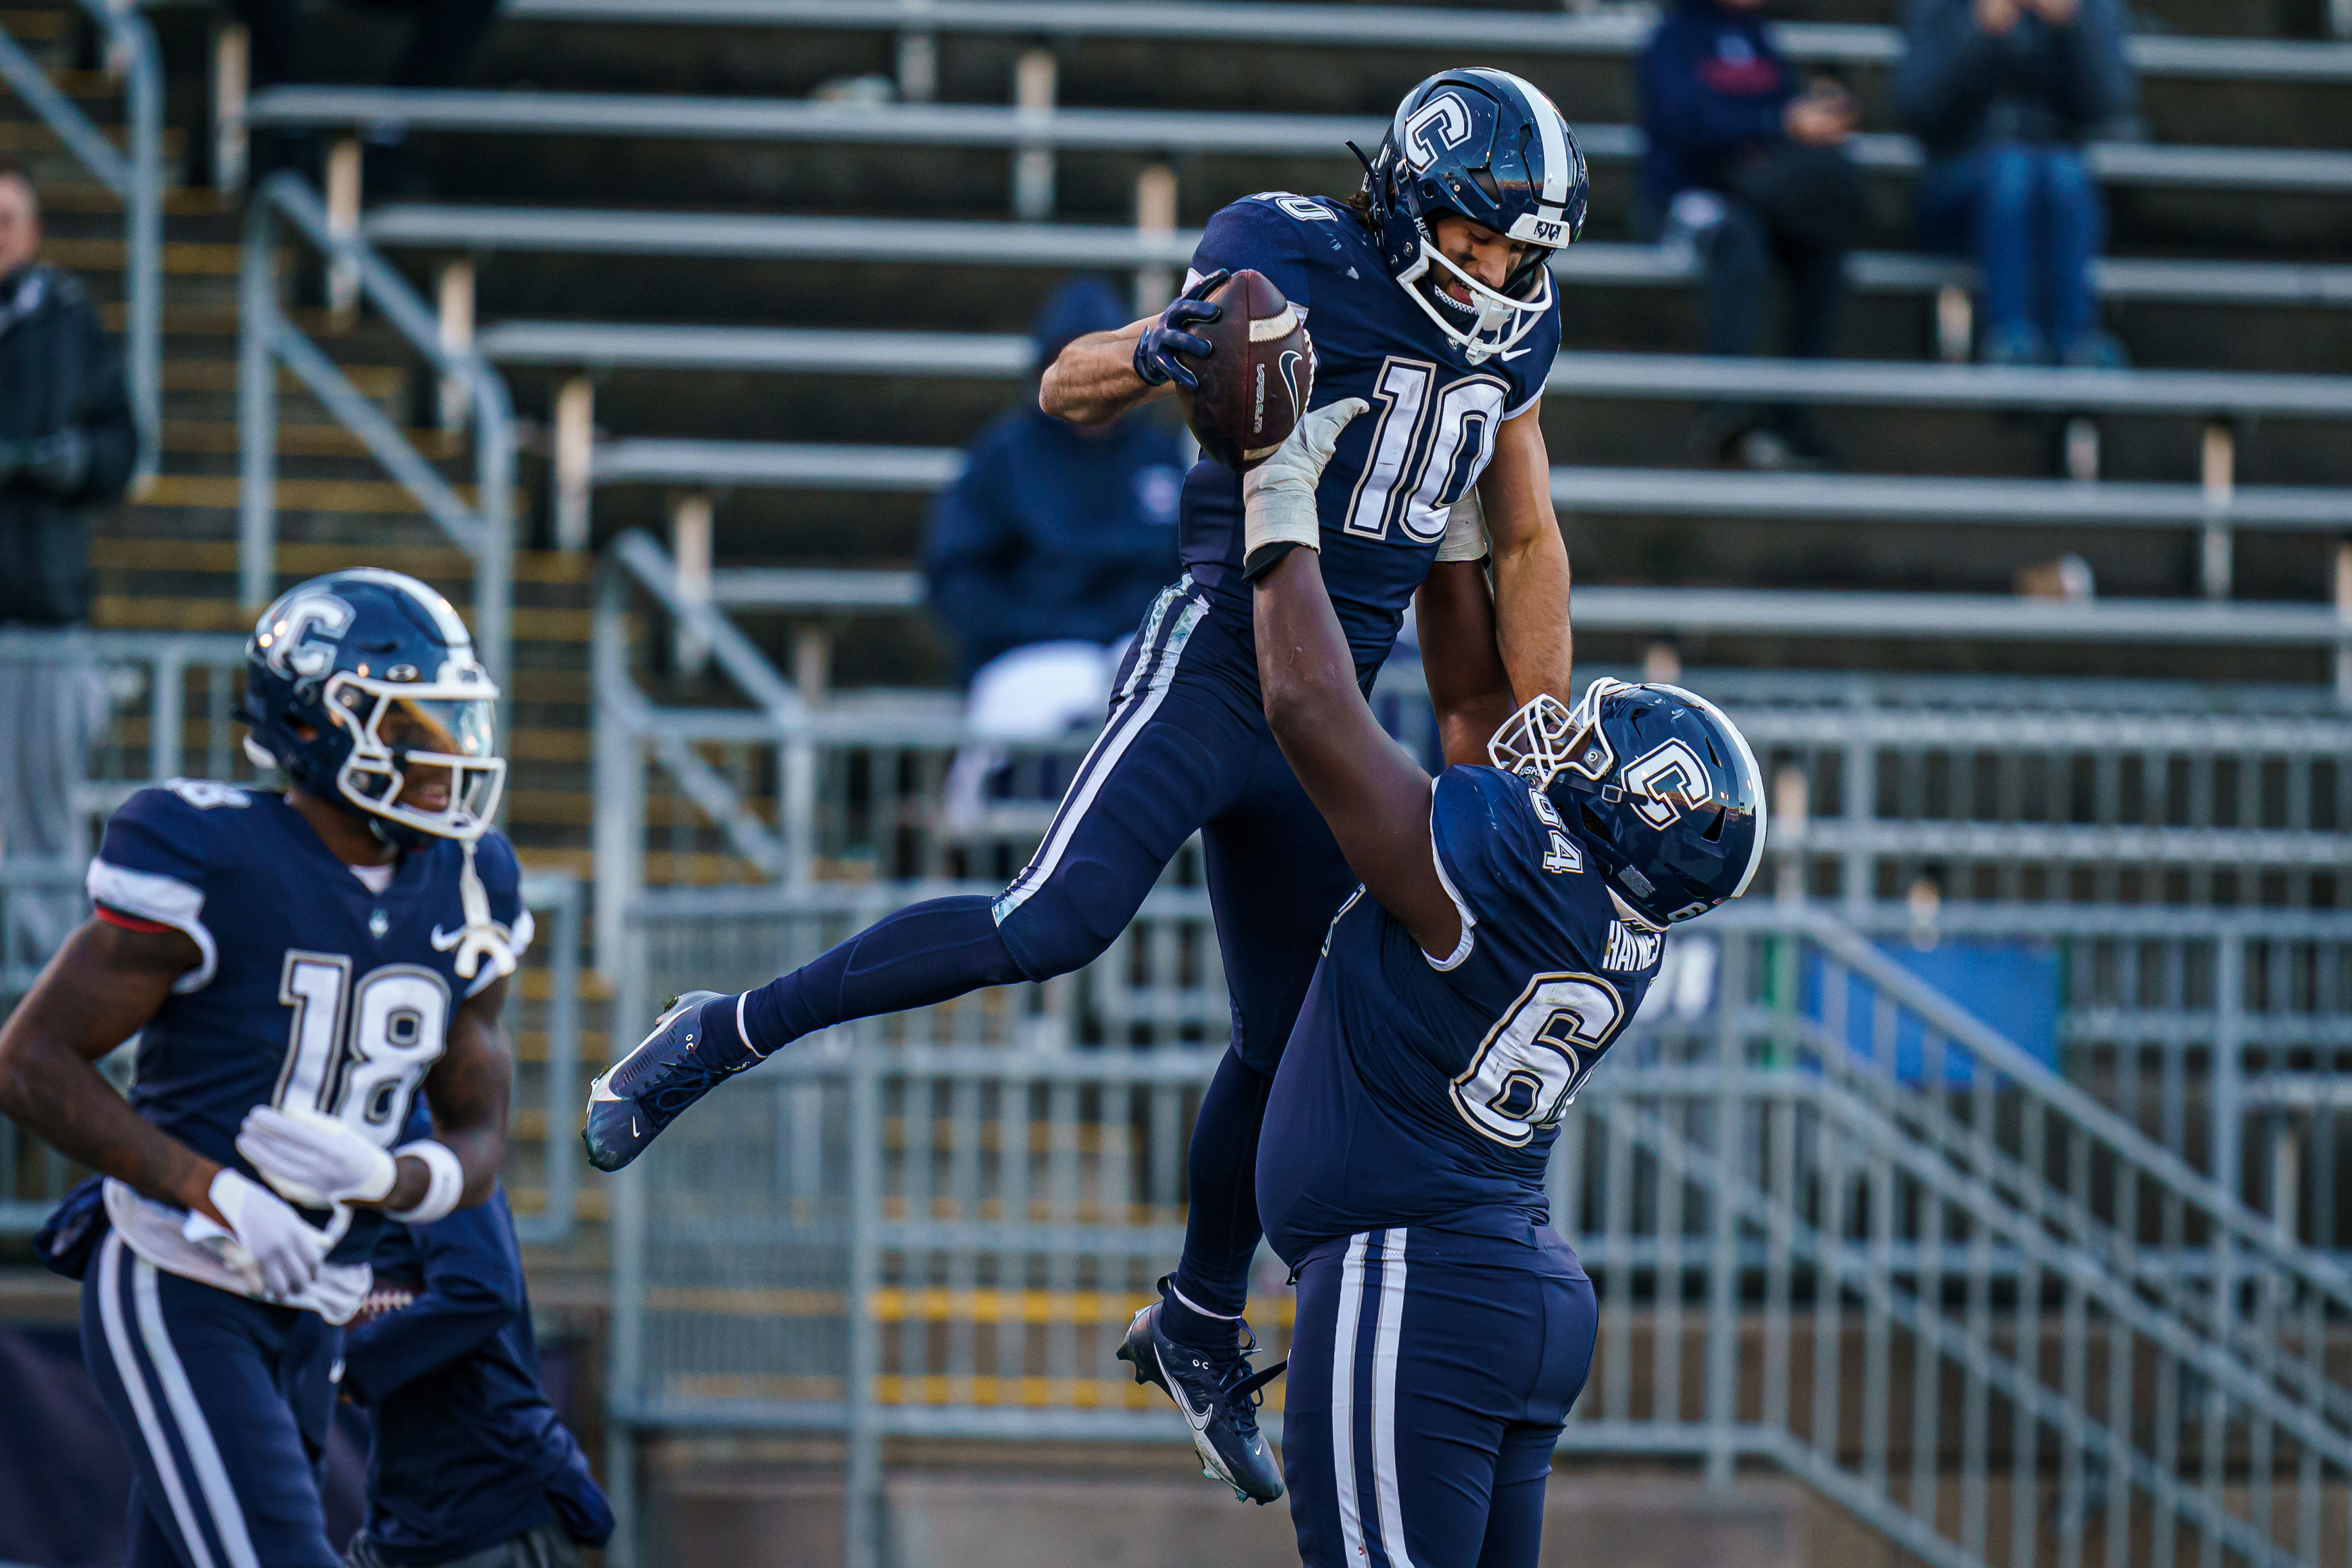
298, 968
1427, 294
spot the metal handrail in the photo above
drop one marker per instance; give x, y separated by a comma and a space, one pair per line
484, 530
136, 181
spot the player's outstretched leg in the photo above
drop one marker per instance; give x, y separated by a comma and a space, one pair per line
924, 954
1175, 752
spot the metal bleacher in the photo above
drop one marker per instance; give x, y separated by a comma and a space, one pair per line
1037, 128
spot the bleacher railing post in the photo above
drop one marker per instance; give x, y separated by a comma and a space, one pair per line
861, 1393
256, 411
618, 833
625, 1391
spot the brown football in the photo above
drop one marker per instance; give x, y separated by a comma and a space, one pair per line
1258, 377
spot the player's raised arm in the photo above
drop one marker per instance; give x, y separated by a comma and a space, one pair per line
1530, 563
100, 990
1469, 686
1375, 798
1102, 375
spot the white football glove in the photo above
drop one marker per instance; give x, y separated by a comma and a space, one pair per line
1279, 495
266, 1242
315, 1160
1465, 530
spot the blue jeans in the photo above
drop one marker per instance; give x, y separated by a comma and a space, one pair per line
2031, 218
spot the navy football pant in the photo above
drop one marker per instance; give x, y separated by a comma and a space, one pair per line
224, 1405
1430, 1375
1185, 749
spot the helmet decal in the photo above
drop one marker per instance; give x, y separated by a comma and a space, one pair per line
298, 637
1665, 785
1438, 126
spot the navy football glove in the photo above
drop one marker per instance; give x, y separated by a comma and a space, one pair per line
1156, 350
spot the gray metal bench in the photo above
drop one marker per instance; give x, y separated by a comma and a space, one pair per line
778, 465
1877, 384
1671, 492
618, 345
1458, 33
1127, 131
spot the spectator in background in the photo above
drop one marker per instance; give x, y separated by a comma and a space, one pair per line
67, 441
1746, 164
470, 1466
66, 445
1044, 556
2002, 93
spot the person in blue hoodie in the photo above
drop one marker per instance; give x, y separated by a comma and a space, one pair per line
1747, 166
1056, 532
470, 1466
2002, 94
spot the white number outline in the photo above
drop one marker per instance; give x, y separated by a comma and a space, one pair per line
1400, 473
1521, 1050
335, 1066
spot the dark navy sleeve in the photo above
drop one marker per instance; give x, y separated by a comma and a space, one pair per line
1264, 233
473, 1288
155, 863
502, 875
1490, 846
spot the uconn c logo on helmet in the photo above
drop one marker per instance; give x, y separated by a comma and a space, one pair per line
300, 644
1665, 784
1441, 123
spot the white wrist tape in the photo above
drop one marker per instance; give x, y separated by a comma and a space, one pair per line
1279, 495
447, 1186
1465, 530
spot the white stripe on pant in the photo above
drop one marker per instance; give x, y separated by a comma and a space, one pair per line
195, 1434
1387, 1328
1155, 669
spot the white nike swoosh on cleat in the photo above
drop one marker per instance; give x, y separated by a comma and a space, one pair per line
1199, 1422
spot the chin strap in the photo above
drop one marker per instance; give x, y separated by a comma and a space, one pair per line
480, 935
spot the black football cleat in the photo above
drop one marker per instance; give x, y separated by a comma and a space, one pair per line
1219, 1396
633, 1100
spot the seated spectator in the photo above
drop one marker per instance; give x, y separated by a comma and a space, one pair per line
1044, 556
2002, 93
1748, 165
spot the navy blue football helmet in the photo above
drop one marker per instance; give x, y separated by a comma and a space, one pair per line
1660, 785
1490, 147
360, 683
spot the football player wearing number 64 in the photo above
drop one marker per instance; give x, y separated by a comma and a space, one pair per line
1512, 913
298, 969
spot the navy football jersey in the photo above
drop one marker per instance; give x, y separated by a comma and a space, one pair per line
1400, 466
1428, 1090
313, 990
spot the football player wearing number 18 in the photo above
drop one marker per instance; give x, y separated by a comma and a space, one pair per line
1514, 918
1428, 295
298, 968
